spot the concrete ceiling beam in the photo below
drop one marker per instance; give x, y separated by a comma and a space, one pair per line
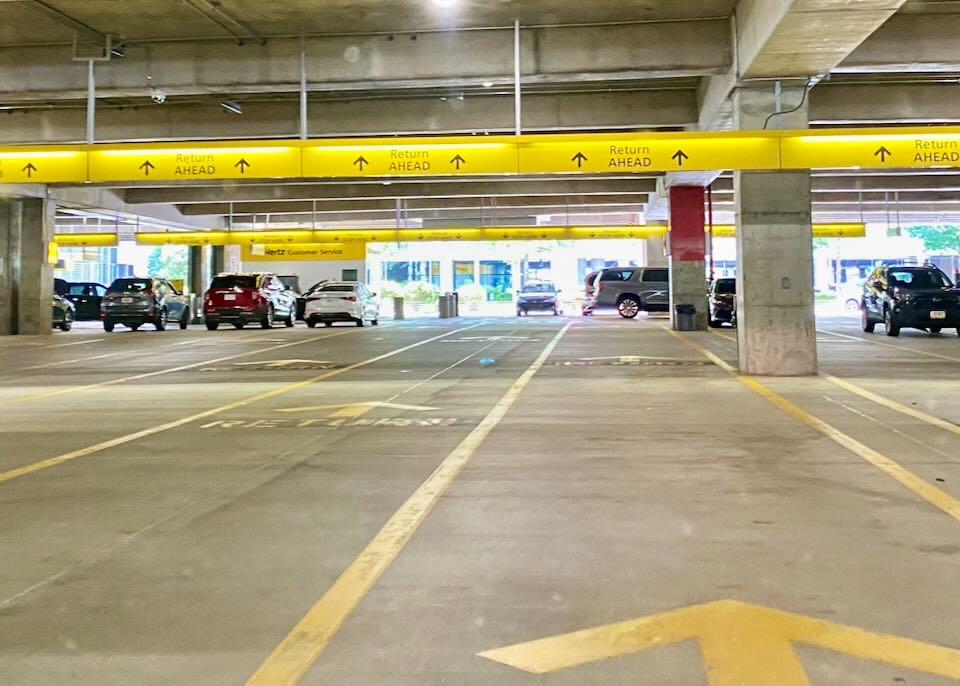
885, 103
281, 192
487, 205
443, 59
479, 113
908, 43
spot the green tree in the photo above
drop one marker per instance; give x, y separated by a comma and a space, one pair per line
945, 237
169, 262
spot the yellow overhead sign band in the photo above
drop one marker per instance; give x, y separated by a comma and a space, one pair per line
81, 240
43, 165
195, 161
451, 156
358, 236
297, 252
852, 230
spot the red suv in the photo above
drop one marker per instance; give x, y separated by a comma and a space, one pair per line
239, 299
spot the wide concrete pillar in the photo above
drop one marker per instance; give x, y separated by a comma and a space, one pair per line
26, 276
776, 326
688, 246
655, 251
218, 259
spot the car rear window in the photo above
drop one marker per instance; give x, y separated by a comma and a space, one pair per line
341, 288
726, 286
537, 288
234, 281
617, 275
129, 286
918, 278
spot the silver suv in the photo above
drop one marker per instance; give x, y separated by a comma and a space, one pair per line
632, 289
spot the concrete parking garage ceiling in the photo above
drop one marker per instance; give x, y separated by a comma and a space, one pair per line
178, 19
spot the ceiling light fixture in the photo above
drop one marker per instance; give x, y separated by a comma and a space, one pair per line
232, 107
488, 84
445, 4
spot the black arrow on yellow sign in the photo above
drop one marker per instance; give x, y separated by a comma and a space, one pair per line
146, 167
882, 153
360, 161
243, 164
29, 169
458, 160
579, 158
680, 156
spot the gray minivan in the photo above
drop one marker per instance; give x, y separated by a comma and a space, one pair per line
632, 289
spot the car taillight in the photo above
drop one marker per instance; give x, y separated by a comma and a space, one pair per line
600, 285
349, 297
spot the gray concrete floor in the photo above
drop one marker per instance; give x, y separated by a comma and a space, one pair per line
630, 477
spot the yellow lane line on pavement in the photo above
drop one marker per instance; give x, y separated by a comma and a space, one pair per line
901, 348
891, 468
11, 474
291, 659
169, 370
893, 404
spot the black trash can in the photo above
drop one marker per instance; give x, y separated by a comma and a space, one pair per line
685, 317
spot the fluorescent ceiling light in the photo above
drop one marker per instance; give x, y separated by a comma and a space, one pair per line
232, 107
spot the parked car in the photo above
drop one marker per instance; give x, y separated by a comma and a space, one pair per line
632, 289
341, 301
540, 296
849, 293
589, 294
292, 283
86, 296
240, 299
135, 301
722, 301
63, 313
910, 297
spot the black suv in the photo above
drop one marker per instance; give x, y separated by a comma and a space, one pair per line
910, 297
722, 301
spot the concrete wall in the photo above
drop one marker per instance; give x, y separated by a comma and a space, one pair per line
310, 272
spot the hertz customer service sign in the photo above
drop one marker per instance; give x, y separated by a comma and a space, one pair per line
297, 252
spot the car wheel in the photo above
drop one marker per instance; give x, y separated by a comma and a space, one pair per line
108, 327
161, 323
715, 323
267, 321
852, 305
866, 323
359, 322
311, 323
288, 322
238, 325
519, 313
64, 325
328, 324
935, 329
375, 322
213, 326
136, 327
890, 323
628, 307
185, 320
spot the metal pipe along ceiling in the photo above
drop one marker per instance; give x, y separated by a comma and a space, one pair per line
221, 18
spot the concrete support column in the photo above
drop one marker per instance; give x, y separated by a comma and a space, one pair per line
776, 327
688, 245
655, 248
26, 276
218, 259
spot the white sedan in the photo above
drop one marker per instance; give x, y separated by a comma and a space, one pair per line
341, 301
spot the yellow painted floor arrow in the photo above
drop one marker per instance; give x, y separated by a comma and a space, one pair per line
741, 645
358, 409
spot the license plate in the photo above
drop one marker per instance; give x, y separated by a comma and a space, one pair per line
230, 296
126, 301
938, 315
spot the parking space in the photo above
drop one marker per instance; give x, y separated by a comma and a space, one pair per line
446, 502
